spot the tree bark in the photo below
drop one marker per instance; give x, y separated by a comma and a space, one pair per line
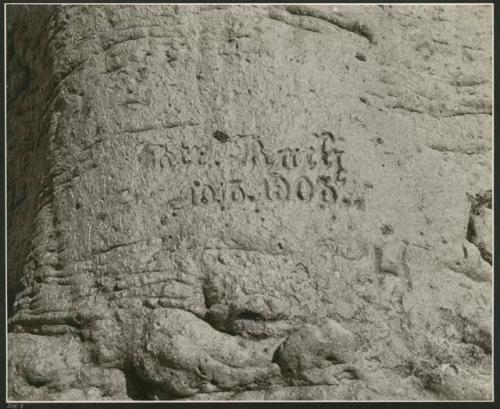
249, 202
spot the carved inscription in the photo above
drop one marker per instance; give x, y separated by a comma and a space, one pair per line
274, 188
250, 150
287, 171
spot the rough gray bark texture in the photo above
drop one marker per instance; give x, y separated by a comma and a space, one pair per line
249, 202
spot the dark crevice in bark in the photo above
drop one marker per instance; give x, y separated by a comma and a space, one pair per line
135, 385
478, 203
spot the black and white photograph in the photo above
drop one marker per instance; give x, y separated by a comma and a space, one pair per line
248, 202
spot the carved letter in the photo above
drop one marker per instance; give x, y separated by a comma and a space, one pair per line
168, 158
202, 152
256, 153
223, 192
305, 189
340, 169
237, 192
185, 154
289, 158
310, 158
194, 194
207, 194
328, 193
327, 153
278, 189
327, 149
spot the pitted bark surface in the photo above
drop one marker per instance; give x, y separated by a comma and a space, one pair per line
249, 202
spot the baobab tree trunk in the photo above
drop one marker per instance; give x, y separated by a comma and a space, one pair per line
249, 202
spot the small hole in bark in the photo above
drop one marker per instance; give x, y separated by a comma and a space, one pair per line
221, 136
360, 57
360, 203
347, 201
249, 315
333, 359
387, 229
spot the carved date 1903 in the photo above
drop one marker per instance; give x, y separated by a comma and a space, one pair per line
274, 188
